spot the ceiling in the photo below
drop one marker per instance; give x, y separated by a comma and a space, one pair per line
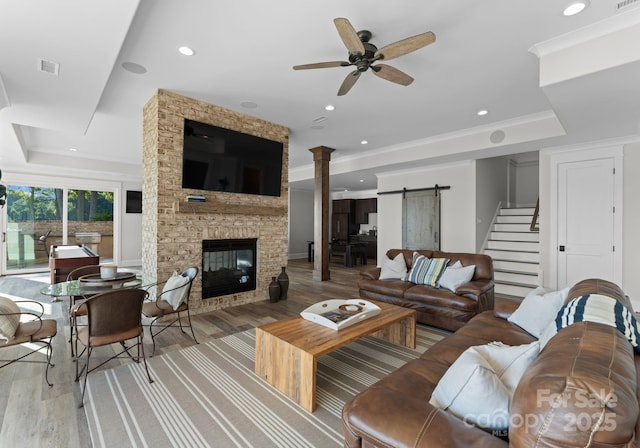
505, 56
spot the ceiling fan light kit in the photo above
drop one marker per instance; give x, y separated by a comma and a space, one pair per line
363, 54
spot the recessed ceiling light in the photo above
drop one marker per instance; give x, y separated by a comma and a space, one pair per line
364, 142
186, 51
73, 149
361, 180
575, 8
317, 127
330, 107
482, 112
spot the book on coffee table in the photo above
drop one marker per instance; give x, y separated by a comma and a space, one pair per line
338, 313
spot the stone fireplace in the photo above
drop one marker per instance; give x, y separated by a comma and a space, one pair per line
174, 229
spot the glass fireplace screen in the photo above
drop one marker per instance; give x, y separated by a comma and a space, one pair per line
228, 266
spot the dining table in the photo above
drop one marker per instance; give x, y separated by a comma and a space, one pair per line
89, 285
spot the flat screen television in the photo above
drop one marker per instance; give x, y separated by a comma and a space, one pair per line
219, 159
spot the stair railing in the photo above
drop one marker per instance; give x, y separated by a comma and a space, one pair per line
535, 227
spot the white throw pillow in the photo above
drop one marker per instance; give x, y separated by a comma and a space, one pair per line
10, 318
479, 385
393, 269
456, 275
537, 309
175, 290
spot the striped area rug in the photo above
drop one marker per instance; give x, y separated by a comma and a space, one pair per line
207, 395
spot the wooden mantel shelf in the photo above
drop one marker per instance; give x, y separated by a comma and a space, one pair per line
229, 209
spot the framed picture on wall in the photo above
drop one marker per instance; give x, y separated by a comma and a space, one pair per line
134, 201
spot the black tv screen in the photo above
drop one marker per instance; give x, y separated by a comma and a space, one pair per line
219, 159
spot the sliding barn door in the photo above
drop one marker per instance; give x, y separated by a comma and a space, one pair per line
421, 220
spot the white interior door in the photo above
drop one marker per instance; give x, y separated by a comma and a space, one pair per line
586, 221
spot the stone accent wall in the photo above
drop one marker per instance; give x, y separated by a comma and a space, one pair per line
173, 229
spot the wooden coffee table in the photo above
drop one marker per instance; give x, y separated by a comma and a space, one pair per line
287, 351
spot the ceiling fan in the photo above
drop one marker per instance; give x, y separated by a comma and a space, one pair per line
363, 54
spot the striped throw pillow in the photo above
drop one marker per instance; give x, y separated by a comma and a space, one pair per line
603, 310
425, 271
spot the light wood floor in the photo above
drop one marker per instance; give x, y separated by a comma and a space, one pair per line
34, 415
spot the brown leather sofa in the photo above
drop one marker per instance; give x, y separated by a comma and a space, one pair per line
435, 306
584, 363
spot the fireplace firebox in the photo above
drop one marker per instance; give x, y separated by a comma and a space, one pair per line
228, 266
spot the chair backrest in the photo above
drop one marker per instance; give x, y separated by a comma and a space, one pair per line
83, 270
117, 311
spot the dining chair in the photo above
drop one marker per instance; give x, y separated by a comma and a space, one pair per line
172, 301
114, 316
75, 310
25, 326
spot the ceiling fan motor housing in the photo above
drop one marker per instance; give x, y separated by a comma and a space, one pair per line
364, 61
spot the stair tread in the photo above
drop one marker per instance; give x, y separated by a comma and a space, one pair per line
509, 271
518, 251
523, 285
516, 241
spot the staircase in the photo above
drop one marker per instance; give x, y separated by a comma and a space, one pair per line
515, 252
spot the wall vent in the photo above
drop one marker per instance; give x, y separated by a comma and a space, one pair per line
626, 4
47, 66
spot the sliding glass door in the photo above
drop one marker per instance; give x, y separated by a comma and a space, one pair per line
38, 217
90, 221
33, 224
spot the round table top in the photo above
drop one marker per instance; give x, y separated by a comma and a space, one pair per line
78, 288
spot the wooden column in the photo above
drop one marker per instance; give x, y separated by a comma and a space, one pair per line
321, 159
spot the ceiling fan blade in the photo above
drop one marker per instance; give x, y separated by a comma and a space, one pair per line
349, 36
322, 65
348, 82
405, 46
392, 74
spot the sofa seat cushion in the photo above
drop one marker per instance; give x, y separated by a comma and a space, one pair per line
439, 297
393, 288
399, 404
485, 327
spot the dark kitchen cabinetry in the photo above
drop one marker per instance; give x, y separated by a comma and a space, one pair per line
363, 207
343, 219
344, 206
341, 226
372, 244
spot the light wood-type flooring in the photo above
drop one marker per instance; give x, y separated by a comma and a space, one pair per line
35, 415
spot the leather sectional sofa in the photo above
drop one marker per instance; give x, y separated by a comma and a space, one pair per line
435, 306
581, 390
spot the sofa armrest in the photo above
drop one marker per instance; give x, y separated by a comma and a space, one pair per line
371, 274
475, 287
505, 308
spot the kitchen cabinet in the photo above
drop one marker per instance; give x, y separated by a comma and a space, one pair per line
341, 225
344, 206
362, 209
372, 244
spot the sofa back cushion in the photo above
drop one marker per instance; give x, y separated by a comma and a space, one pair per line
483, 263
408, 255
